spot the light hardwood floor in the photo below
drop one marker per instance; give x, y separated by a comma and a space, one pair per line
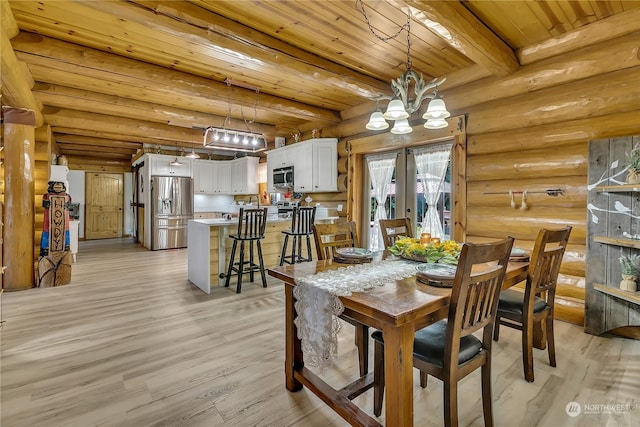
131, 343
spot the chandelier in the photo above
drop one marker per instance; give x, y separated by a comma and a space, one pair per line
401, 105
235, 140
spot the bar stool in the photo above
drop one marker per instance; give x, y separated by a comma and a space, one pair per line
301, 225
251, 226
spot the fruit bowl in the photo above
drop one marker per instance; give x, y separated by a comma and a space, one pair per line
446, 252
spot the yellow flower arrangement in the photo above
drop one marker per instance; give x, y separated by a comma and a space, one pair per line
445, 252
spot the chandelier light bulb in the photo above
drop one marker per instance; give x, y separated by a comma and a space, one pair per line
436, 124
377, 121
216, 136
245, 140
395, 110
401, 127
254, 141
236, 139
436, 110
226, 137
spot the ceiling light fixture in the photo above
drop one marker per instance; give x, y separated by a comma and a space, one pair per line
401, 106
231, 139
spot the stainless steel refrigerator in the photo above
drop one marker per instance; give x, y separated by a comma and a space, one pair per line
172, 208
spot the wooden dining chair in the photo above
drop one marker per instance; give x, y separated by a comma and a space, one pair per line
392, 229
447, 349
328, 237
522, 310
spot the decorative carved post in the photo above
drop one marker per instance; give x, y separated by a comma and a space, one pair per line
19, 163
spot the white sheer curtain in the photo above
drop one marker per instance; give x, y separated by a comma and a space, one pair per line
381, 168
431, 163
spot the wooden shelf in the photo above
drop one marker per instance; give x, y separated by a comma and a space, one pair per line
627, 243
622, 188
632, 297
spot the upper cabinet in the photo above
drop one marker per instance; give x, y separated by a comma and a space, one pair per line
238, 176
161, 165
315, 165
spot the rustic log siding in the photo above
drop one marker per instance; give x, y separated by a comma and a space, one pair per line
538, 140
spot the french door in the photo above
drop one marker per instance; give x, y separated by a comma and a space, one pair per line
409, 191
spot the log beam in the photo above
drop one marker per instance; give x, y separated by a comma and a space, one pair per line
614, 26
468, 35
55, 61
16, 80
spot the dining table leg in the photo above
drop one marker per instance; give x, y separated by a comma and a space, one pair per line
398, 374
293, 348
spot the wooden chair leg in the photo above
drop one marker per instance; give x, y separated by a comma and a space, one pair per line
230, 268
309, 256
423, 379
450, 403
551, 342
240, 268
527, 351
378, 378
496, 329
251, 263
264, 277
487, 406
362, 342
284, 249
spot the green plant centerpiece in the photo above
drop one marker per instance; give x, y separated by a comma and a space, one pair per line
630, 268
445, 252
633, 164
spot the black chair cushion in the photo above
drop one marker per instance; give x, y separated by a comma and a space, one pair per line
428, 344
512, 301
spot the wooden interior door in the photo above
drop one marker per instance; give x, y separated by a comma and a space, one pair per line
104, 201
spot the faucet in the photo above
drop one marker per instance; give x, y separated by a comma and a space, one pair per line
257, 199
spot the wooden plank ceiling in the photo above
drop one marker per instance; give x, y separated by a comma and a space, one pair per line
111, 76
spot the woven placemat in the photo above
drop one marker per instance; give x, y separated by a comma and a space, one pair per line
423, 278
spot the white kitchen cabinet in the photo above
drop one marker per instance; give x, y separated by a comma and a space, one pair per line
314, 161
203, 176
244, 172
325, 165
161, 165
301, 155
238, 176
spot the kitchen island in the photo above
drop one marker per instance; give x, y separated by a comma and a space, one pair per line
209, 247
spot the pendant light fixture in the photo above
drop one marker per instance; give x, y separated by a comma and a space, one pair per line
401, 106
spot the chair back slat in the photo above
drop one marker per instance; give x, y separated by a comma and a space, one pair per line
328, 237
546, 259
392, 229
474, 296
252, 223
303, 219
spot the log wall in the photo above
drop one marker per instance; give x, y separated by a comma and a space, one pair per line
533, 139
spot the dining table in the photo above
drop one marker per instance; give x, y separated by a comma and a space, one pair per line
398, 309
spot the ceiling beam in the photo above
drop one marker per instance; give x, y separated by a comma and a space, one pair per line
467, 35
90, 69
16, 80
84, 100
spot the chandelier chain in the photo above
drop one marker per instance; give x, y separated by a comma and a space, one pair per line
407, 25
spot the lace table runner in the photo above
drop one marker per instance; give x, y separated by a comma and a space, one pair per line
318, 304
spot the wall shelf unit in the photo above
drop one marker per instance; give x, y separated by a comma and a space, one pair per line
632, 297
613, 210
627, 243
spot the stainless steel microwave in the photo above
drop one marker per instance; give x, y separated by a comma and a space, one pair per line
283, 177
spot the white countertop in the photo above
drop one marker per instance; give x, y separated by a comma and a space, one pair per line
223, 222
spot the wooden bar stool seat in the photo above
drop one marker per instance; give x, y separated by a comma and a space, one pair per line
301, 227
251, 227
